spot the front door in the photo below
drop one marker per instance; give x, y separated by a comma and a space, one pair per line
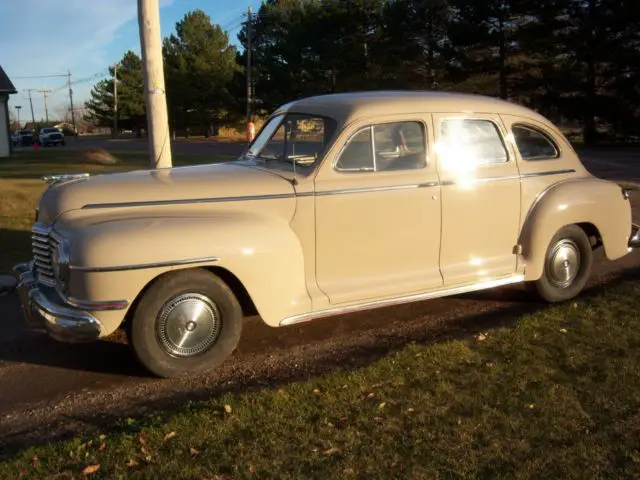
378, 214
480, 198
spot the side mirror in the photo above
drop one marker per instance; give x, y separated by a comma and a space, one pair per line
8, 284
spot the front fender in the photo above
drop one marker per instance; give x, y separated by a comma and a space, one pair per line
118, 258
575, 201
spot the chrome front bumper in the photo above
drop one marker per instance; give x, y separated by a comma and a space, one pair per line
634, 239
44, 310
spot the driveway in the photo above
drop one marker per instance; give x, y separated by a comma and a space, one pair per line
50, 389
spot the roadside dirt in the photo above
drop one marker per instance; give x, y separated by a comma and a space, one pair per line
50, 390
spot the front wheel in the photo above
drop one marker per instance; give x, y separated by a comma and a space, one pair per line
187, 322
567, 265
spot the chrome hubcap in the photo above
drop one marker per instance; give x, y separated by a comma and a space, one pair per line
563, 264
188, 325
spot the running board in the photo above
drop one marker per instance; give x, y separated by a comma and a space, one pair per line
474, 287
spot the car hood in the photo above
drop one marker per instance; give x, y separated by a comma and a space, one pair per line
182, 184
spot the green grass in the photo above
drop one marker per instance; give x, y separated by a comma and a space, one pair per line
557, 396
20, 188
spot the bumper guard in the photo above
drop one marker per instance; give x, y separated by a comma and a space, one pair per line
45, 311
634, 240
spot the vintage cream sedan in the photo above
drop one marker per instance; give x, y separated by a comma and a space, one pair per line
342, 202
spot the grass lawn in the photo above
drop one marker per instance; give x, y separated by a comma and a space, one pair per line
20, 188
558, 396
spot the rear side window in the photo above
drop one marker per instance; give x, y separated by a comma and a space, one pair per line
533, 144
471, 141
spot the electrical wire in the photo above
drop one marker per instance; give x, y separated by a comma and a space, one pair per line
24, 77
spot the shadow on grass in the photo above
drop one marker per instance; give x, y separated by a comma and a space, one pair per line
360, 351
15, 246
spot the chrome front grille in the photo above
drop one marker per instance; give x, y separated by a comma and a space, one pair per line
42, 244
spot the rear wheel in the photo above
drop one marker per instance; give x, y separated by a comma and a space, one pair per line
187, 322
567, 265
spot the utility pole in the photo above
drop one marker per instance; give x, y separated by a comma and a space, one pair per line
46, 110
115, 100
73, 115
18, 107
156, 100
33, 117
249, 80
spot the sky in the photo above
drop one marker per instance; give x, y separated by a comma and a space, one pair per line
84, 37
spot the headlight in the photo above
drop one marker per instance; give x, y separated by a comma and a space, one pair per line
60, 260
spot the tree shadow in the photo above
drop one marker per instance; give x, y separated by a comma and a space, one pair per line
15, 246
359, 351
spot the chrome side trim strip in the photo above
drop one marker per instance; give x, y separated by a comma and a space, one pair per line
373, 189
499, 282
548, 172
536, 201
148, 203
141, 266
448, 183
512, 177
101, 306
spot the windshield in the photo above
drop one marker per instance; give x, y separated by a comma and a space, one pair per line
295, 137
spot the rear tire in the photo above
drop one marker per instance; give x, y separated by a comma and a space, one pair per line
567, 265
188, 322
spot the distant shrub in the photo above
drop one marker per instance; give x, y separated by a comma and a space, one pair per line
98, 156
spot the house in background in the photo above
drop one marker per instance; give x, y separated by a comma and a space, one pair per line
6, 89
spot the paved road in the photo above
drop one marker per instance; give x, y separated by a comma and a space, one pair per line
48, 389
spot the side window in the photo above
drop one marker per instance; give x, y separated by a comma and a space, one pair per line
533, 144
471, 142
396, 146
399, 146
275, 145
358, 154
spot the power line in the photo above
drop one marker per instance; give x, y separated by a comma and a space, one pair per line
228, 25
35, 76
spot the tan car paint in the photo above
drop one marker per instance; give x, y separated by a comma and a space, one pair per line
576, 201
332, 248
250, 244
184, 184
480, 212
376, 243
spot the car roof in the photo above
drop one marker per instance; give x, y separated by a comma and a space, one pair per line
351, 105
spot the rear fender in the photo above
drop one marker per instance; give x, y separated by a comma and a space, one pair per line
575, 201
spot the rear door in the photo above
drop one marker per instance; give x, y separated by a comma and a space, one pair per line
480, 198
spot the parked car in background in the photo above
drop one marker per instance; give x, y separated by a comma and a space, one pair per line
50, 136
23, 138
341, 203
